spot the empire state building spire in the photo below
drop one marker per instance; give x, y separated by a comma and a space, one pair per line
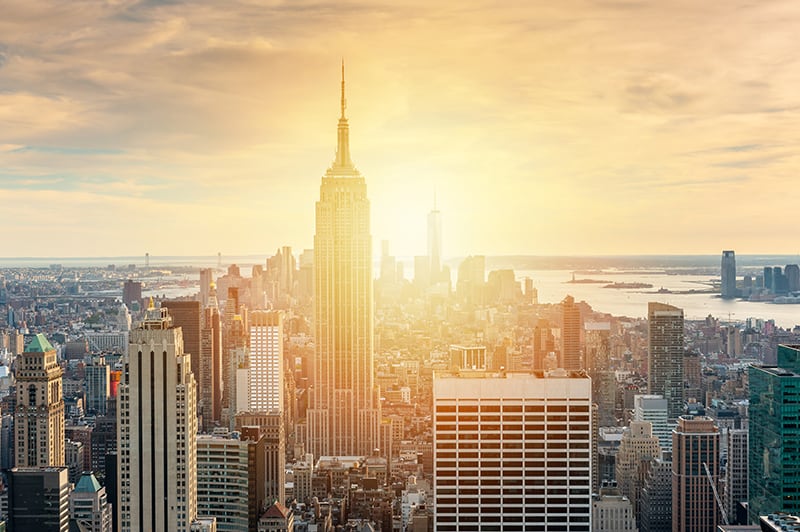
344, 408
343, 146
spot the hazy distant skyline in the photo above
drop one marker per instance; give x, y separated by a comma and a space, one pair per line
608, 127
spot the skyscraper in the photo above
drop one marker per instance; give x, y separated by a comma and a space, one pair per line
768, 277
206, 278
210, 371
638, 443
98, 385
512, 451
231, 474
665, 355
38, 499
344, 412
435, 244
695, 448
653, 408
655, 503
156, 428
265, 378
735, 487
728, 285
774, 435
570, 335
187, 315
132, 293
39, 414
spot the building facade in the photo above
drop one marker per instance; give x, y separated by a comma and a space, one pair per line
653, 408
774, 435
512, 451
98, 386
638, 444
665, 355
39, 412
571, 356
735, 488
344, 409
231, 479
88, 505
728, 275
695, 472
265, 376
612, 512
38, 499
156, 428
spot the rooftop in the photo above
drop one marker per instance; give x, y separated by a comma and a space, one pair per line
87, 484
39, 344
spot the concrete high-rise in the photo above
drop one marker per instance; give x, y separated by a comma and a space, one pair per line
774, 435
188, 316
39, 412
344, 409
695, 458
88, 505
571, 335
612, 511
665, 355
735, 487
270, 425
231, 475
209, 373
638, 443
265, 377
728, 277
512, 449
156, 428
653, 408
206, 278
655, 503
132, 293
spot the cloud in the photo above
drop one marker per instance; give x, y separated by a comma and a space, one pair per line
522, 113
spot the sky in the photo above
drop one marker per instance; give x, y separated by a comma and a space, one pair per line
543, 128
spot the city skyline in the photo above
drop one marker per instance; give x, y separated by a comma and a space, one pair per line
590, 121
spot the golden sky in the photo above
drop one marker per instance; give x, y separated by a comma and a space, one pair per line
569, 127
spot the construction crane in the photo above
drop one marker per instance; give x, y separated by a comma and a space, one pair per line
716, 495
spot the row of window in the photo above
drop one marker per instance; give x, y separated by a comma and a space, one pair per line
553, 405
541, 480
512, 454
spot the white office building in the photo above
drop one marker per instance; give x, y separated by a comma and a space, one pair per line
512, 451
653, 408
265, 377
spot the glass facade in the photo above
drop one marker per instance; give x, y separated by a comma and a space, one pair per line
774, 457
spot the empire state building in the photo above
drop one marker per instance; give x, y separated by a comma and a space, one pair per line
344, 413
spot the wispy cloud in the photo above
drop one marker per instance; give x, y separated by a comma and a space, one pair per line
535, 110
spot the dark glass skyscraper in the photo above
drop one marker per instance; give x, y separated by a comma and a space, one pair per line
775, 435
728, 275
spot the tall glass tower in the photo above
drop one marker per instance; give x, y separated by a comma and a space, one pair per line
774, 436
344, 413
728, 275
